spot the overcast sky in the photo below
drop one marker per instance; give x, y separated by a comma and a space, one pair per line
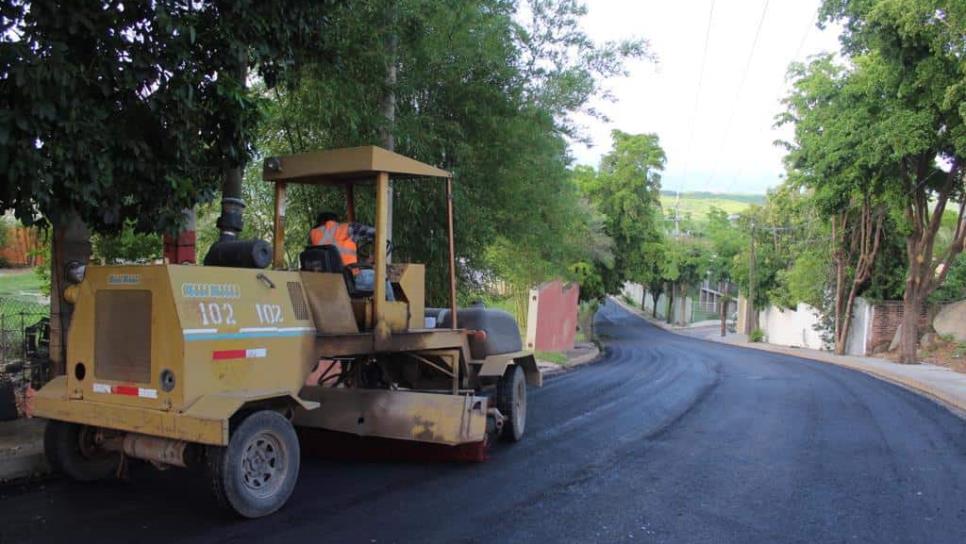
718, 136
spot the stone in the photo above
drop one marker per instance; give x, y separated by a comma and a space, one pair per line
928, 341
896, 338
951, 320
881, 347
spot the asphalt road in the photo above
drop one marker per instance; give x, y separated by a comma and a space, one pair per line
666, 439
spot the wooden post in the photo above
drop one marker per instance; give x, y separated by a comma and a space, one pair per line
278, 237
452, 252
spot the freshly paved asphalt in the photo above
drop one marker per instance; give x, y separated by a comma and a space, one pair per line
666, 439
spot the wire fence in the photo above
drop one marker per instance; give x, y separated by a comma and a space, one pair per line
24, 360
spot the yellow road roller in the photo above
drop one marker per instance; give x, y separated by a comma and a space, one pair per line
217, 365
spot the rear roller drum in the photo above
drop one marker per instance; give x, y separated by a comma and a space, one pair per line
255, 474
511, 400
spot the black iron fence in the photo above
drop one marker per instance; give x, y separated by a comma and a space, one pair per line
24, 360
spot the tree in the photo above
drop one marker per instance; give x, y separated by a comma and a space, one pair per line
686, 264
131, 112
627, 191
829, 156
479, 93
908, 59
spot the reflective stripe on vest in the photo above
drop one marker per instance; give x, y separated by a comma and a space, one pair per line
336, 234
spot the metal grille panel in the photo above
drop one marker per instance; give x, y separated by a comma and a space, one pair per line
122, 335
298, 301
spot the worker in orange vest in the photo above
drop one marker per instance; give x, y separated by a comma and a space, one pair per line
346, 237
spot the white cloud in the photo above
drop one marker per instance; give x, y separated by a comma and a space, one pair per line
721, 138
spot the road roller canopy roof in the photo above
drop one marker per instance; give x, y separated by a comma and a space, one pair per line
347, 165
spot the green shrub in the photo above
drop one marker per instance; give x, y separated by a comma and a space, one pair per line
756, 335
554, 357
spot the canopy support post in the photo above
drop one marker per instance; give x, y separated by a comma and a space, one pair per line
452, 252
278, 235
379, 254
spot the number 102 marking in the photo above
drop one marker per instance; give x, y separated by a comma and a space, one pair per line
213, 313
269, 313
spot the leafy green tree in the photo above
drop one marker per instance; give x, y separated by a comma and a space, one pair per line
726, 241
113, 112
479, 93
909, 82
685, 265
627, 190
829, 157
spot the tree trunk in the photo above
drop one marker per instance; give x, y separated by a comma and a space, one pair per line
723, 313
670, 304
909, 337
70, 242
683, 301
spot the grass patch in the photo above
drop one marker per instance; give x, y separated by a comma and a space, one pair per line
20, 285
554, 357
697, 205
756, 335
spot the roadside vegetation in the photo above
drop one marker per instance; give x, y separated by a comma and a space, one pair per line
872, 203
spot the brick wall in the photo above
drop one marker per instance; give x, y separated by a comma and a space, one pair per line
886, 317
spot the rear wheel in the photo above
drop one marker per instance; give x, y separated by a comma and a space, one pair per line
511, 400
255, 474
71, 448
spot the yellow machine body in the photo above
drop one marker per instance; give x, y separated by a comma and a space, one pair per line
175, 351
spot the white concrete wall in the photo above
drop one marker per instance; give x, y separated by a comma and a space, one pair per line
859, 330
790, 327
797, 327
634, 292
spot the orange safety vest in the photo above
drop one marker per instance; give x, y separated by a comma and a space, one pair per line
336, 234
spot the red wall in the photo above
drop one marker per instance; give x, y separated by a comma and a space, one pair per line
20, 242
556, 316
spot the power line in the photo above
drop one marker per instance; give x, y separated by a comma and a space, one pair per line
741, 84
697, 95
798, 51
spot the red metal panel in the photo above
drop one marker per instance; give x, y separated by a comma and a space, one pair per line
556, 316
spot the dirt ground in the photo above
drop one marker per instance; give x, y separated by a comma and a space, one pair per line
947, 353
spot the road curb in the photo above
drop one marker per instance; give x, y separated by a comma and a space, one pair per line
24, 466
955, 404
586, 358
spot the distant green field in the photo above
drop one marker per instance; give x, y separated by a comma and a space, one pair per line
698, 204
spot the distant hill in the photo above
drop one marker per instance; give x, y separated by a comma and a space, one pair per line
697, 203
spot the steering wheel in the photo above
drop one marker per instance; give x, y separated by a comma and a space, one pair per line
366, 247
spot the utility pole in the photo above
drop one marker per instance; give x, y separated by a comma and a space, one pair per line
751, 314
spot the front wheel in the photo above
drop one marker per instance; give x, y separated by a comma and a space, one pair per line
72, 449
256, 473
511, 400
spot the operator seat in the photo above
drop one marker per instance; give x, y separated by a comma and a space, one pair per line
326, 258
